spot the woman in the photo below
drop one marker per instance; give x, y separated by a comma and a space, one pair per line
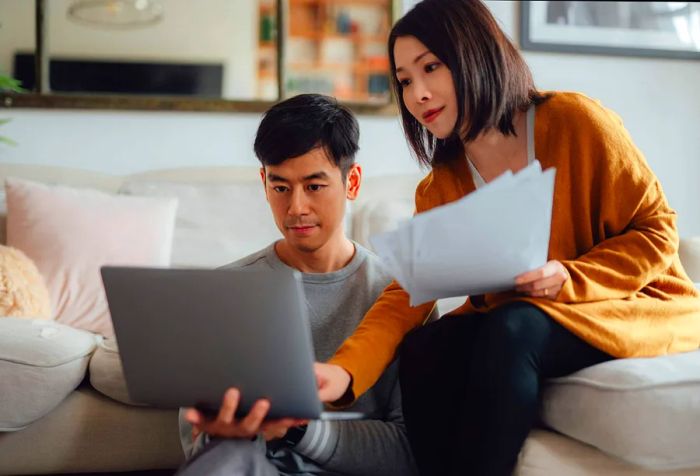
613, 286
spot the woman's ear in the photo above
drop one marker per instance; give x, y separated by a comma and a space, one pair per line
353, 181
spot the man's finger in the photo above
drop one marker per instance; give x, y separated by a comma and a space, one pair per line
227, 412
252, 421
193, 416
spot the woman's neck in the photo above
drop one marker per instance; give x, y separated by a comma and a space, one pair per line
493, 153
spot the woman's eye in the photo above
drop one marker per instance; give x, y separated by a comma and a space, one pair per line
429, 68
404, 82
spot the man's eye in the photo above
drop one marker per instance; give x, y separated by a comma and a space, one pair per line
279, 189
314, 187
429, 68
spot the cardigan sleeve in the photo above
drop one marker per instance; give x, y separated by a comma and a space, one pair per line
373, 345
637, 228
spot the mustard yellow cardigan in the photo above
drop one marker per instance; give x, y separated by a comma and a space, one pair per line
612, 228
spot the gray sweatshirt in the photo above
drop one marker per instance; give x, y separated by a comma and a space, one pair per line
337, 302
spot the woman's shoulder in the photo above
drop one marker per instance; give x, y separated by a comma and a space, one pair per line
593, 130
564, 108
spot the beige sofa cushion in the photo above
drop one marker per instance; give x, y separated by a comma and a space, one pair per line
107, 374
90, 433
546, 453
41, 362
644, 411
215, 223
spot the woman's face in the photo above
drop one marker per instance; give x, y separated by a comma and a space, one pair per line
426, 86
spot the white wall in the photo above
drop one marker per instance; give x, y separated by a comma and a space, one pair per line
658, 99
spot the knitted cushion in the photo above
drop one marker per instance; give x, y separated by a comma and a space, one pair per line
23, 292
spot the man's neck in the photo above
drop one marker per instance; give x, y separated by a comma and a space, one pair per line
332, 256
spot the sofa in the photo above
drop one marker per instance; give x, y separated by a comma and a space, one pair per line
64, 407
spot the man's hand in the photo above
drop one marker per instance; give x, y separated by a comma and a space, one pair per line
227, 426
545, 282
277, 429
333, 381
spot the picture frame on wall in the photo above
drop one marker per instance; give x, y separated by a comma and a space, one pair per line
647, 29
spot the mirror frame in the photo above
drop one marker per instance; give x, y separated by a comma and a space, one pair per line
41, 97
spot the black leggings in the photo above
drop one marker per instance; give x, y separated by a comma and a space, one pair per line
471, 386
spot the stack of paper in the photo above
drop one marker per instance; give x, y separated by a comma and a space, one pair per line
477, 244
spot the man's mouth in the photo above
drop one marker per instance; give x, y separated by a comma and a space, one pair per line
301, 229
429, 116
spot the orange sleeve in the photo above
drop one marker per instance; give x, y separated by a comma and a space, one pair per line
639, 239
373, 345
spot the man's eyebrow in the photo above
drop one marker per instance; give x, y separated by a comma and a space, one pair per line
276, 178
317, 175
417, 59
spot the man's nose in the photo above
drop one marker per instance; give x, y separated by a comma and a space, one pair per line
299, 204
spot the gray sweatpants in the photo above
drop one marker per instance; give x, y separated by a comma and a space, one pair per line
229, 457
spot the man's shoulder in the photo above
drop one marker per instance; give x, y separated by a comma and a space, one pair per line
256, 260
373, 266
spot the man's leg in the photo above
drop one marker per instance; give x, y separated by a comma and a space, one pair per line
229, 457
518, 346
433, 363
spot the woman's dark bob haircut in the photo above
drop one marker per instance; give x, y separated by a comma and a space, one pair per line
491, 78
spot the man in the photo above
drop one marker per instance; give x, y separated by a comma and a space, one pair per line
307, 145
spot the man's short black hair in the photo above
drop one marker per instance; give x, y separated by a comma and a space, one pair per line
297, 125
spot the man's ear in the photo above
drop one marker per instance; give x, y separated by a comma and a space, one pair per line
353, 181
263, 177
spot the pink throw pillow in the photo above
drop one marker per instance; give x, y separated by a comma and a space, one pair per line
70, 233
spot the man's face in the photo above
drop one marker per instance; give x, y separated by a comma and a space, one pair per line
307, 197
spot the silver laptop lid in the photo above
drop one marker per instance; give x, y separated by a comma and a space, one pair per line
186, 335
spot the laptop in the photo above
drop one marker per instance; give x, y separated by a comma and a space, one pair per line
187, 335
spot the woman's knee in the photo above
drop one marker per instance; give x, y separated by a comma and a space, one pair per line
517, 325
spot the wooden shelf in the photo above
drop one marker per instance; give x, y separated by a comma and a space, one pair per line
358, 66
379, 3
354, 37
330, 29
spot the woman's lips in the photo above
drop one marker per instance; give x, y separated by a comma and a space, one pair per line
432, 114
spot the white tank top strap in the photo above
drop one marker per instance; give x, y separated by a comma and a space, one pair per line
531, 134
530, 125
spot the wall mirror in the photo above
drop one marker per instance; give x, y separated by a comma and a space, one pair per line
211, 55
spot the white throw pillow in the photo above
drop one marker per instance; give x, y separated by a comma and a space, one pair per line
216, 223
41, 362
70, 233
645, 411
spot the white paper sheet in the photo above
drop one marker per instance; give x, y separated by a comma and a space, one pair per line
477, 244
